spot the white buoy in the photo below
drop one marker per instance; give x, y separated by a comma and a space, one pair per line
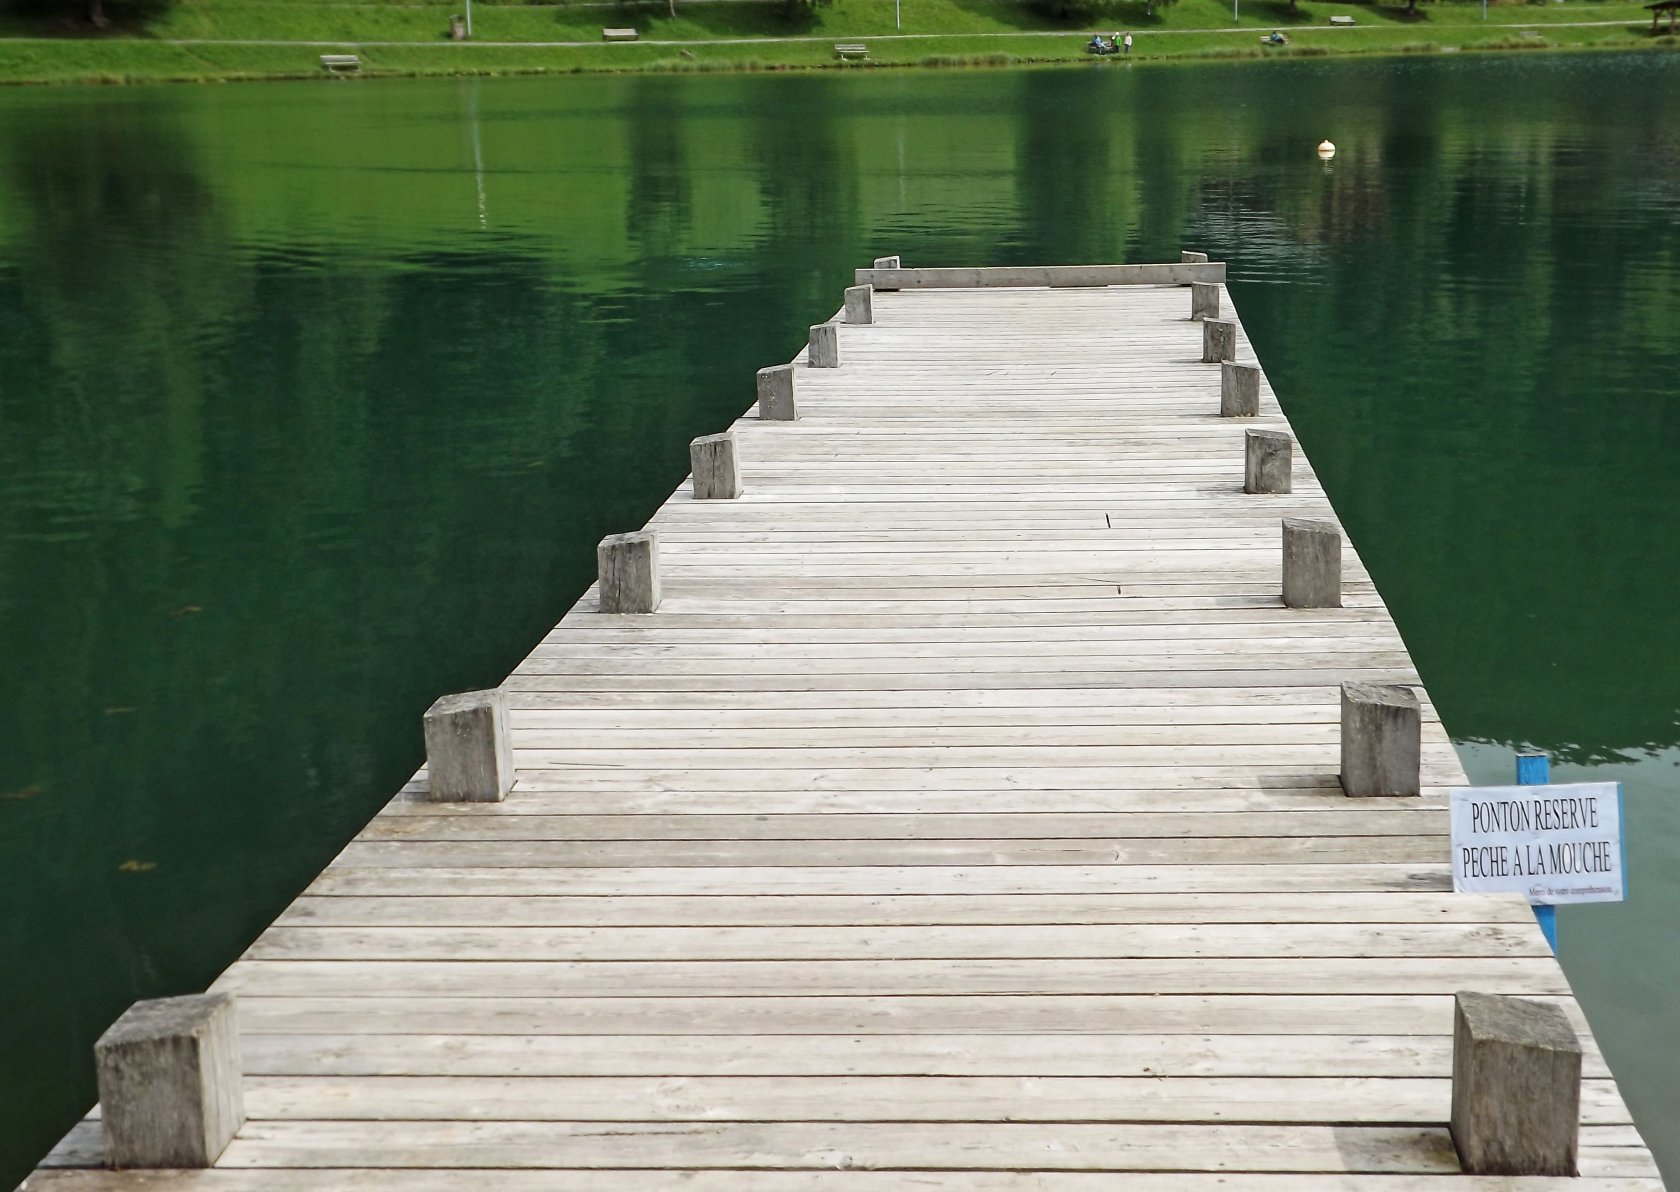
1326, 149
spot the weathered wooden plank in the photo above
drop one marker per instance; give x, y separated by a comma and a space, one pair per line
536, 755
1265, 1099
1032, 276
1047, 275
837, 1097
1103, 679
1277, 1057
772, 880
550, 1180
884, 942
564, 732
1023, 632
377, 1014
1410, 821
1498, 973
1289, 702
1258, 605
566, 854
1281, 643
546, 794
887, 777
549, 728
799, 910
947, 1146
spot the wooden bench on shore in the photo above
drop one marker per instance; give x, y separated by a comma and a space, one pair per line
851, 50
341, 63
620, 35
1341, 20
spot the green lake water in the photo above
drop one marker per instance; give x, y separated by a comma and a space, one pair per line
315, 398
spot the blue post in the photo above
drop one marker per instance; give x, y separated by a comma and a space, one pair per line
1535, 769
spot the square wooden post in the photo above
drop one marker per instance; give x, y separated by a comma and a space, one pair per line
823, 347
169, 1082
1239, 390
1267, 463
1204, 300
1312, 563
775, 394
1192, 258
1516, 1088
468, 756
1219, 341
1382, 740
860, 304
629, 566
891, 262
716, 467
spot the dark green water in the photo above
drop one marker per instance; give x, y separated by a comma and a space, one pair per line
314, 400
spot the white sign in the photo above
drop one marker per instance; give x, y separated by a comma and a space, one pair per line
1556, 844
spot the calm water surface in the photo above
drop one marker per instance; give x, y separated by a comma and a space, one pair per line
314, 400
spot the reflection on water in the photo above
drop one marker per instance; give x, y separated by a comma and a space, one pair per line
314, 401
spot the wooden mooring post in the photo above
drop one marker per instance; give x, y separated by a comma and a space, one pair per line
468, 755
775, 394
822, 349
1267, 462
1516, 1087
1312, 563
1219, 341
716, 466
1204, 300
629, 566
860, 304
1239, 390
169, 1082
1382, 740
891, 262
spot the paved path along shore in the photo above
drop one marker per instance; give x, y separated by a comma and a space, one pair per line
1071, 36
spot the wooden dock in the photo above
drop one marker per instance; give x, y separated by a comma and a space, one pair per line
966, 817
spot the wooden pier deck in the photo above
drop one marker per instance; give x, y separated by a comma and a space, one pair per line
966, 817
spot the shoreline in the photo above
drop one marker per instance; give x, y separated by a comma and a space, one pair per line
969, 61
139, 59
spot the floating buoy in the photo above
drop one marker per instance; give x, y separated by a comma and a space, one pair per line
1326, 149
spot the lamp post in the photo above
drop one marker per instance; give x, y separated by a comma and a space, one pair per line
469, 20
898, 22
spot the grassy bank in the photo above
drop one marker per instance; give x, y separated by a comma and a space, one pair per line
237, 39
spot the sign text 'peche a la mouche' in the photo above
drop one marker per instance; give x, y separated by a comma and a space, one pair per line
1554, 844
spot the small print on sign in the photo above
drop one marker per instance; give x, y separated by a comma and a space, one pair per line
1556, 844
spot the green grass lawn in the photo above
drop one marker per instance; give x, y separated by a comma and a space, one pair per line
939, 32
